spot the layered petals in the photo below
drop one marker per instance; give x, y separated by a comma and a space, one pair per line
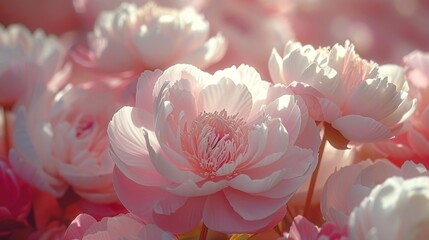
204, 156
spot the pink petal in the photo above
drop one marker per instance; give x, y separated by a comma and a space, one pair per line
183, 219
302, 229
145, 86
251, 207
138, 199
212, 98
78, 227
361, 129
191, 189
220, 216
128, 146
211, 52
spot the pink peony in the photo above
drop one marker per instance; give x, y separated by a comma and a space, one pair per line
346, 188
61, 141
396, 209
26, 59
148, 37
15, 200
89, 10
413, 143
358, 99
119, 227
226, 149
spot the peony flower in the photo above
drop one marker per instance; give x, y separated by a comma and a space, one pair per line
61, 141
226, 149
15, 202
89, 10
395, 209
346, 188
150, 37
126, 226
413, 142
25, 60
359, 100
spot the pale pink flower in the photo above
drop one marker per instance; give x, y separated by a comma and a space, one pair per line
396, 209
53, 16
126, 226
26, 59
61, 140
226, 149
15, 200
413, 143
89, 10
251, 32
134, 38
346, 188
363, 102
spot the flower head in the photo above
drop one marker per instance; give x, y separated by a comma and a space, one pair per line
361, 101
25, 60
150, 37
227, 149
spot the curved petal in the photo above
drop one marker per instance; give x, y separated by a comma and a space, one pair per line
78, 227
191, 189
251, 207
145, 85
128, 146
220, 216
211, 52
374, 98
138, 199
181, 220
212, 98
361, 129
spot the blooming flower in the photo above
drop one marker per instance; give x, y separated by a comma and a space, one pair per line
346, 188
195, 155
61, 140
89, 10
126, 226
413, 142
26, 59
150, 37
361, 101
395, 209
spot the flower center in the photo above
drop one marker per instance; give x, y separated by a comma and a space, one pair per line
214, 139
84, 127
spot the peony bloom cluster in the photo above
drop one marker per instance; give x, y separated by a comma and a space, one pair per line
214, 119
